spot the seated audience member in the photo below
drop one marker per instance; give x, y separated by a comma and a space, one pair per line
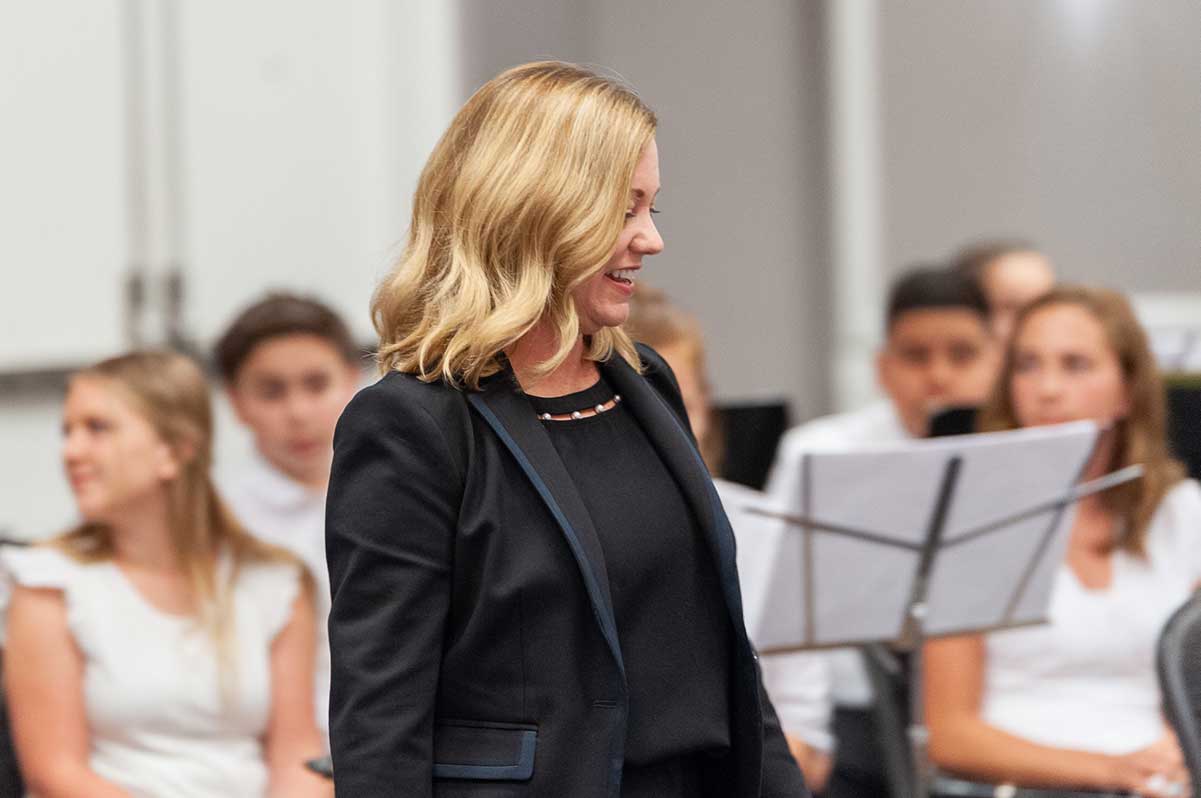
802, 702
937, 352
1010, 273
1075, 702
156, 649
289, 366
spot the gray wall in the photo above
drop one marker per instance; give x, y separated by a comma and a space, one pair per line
738, 95
1074, 122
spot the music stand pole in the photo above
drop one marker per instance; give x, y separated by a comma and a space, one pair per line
919, 735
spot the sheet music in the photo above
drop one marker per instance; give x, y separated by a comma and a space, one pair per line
818, 588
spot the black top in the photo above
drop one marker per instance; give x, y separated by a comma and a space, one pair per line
667, 598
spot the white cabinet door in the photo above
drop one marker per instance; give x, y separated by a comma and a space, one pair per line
298, 146
62, 197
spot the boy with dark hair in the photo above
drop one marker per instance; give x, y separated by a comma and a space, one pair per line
938, 353
289, 365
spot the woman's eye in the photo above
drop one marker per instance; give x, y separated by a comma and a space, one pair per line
1023, 363
1077, 363
654, 210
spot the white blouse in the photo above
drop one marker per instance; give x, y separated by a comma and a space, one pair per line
1087, 680
157, 721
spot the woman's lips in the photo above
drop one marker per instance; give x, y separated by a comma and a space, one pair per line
625, 286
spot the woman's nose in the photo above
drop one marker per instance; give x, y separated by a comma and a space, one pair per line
73, 446
648, 241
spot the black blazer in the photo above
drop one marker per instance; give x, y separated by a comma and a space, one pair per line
473, 644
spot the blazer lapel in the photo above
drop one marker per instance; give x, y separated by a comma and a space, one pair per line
512, 418
666, 433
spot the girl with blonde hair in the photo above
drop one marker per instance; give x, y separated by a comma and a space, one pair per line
1076, 703
534, 589
157, 649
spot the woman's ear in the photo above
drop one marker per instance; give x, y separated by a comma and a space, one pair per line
172, 459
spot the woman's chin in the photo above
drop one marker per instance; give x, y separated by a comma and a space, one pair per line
610, 317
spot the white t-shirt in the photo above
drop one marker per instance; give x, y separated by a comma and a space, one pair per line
284, 513
798, 684
157, 723
875, 424
1087, 679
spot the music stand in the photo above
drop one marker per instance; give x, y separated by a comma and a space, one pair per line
941, 514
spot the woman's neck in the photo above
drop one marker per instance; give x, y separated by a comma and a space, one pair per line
575, 373
1094, 527
142, 535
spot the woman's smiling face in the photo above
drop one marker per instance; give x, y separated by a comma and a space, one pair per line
604, 299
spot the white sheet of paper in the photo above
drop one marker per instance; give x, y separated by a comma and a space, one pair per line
861, 588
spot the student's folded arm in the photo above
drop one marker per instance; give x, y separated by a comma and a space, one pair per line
961, 742
392, 512
292, 736
43, 682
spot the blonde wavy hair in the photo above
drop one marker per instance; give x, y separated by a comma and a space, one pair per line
170, 391
520, 202
1141, 435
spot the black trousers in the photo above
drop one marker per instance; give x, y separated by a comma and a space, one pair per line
859, 759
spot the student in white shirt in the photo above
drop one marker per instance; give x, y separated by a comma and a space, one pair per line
290, 366
156, 649
938, 352
1075, 702
803, 705
1010, 273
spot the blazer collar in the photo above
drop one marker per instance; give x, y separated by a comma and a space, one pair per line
503, 406
668, 435
505, 409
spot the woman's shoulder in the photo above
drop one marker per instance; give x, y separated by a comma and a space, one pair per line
398, 388
1181, 504
1176, 525
84, 587
42, 565
399, 400
658, 373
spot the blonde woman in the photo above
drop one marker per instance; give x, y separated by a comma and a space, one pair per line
1075, 703
534, 590
156, 650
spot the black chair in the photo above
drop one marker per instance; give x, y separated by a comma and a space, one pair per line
1178, 662
1184, 421
750, 433
11, 785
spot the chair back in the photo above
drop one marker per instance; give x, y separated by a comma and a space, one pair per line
1178, 662
10, 775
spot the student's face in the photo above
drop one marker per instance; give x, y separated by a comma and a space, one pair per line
290, 392
933, 359
1065, 370
113, 457
1010, 283
604, 300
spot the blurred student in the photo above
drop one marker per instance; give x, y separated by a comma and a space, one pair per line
1012, 274
938, 352
156, 649
1075, 703
290, 366
802, 700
